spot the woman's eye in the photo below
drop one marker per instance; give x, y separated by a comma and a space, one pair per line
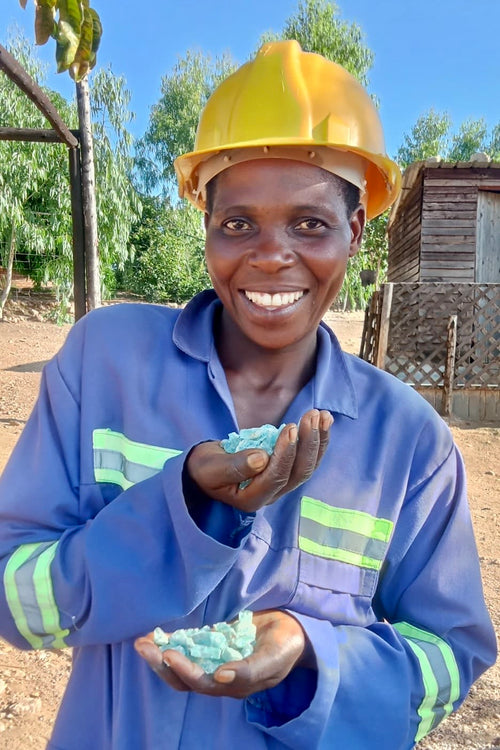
236, 225
309, 224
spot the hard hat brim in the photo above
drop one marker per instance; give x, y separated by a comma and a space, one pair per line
383, 176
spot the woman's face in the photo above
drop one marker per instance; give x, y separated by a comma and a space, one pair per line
277, 245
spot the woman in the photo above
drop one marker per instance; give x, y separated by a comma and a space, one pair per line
351, 544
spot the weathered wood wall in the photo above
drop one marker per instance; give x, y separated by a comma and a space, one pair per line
433, 234
449, 218
404, 237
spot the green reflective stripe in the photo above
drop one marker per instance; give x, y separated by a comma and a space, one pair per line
344, 518
45, 598
30, 595
431, 688
125, 462
16, 560
440, 675
336, 553
348, 536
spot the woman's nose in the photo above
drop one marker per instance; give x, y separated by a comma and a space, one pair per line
271, 251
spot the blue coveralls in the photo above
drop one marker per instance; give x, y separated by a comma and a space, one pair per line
374, 555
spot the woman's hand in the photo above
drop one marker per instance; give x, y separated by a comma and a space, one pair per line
280, 645
297, 454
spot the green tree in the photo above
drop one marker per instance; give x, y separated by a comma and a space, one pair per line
317, 27
35, 210
77, 30
432, 135
470, 139
174, 119
428, 137
168, 245
118, 203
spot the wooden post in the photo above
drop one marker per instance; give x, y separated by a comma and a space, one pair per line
383, 336
449, 369
88, 195
79, 285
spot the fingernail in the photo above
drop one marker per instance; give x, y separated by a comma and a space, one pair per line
292, 434
326, 421
315, 420
256, 460
225, 675
147, 652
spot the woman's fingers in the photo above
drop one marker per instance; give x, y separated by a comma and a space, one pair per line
250, 479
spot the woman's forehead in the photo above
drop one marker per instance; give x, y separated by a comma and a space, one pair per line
285, 176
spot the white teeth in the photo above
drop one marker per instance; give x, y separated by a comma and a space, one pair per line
273, 300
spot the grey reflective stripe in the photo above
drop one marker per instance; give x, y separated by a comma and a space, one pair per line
440, 676
341, 538
30, 595
119, 460
116, 462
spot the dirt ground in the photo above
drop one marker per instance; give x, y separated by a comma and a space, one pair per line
31, 683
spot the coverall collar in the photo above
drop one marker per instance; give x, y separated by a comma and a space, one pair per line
193, 334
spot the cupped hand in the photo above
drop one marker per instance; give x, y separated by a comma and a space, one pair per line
280, 645
297, 453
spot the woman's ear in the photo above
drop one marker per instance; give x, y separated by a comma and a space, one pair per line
357, 224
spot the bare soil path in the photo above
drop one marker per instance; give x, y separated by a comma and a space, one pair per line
31, 683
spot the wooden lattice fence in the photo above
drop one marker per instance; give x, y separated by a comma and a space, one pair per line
407, 333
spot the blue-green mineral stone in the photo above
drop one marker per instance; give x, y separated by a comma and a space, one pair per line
264, 437
212, 646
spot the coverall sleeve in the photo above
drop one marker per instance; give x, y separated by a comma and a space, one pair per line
75, 578
390, 684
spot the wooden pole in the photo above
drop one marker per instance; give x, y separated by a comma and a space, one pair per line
88, 196
21, 78
383, 336
79, 285
449, 368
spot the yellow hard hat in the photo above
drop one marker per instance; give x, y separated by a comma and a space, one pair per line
287, 102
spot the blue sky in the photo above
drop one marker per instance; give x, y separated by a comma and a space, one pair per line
428, 53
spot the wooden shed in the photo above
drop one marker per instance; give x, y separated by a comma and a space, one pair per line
446, 224
436, 323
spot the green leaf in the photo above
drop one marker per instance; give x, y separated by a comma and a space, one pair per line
81, 63
71, 12
44, 20
96, 35
67, 45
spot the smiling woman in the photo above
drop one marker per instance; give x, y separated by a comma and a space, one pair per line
351, 544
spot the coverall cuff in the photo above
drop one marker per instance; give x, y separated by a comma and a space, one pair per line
301, 703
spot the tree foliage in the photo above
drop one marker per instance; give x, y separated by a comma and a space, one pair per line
35, 205
118, 204
432, 135
174, 119
168, 244
317, 27
35, 210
